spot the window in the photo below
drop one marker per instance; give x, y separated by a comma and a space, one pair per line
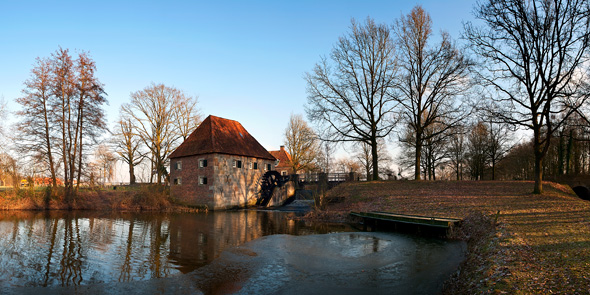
268, 167
179, 165
177, 181
255, 166
202, 180
284, 173
237, 164
202, 163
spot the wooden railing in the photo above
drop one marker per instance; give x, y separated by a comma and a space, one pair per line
329, 177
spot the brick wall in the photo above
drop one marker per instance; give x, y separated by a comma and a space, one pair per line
283, 170
189, 191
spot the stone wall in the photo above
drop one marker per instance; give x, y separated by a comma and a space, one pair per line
234, 186
282, 193
227, 186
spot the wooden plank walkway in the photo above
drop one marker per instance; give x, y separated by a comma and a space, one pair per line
371, 218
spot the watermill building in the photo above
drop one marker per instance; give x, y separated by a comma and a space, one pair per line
219, 166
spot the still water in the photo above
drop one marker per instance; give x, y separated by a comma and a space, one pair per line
75, 251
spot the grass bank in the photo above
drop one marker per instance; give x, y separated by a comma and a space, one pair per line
539, 244
135, 198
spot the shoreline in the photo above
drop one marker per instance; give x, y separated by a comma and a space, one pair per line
148, 198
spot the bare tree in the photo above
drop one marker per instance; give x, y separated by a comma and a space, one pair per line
78, 99
302, 144
34, 127
155, 114
430, 81
8, 170
347, 165
61, 113
477, 150
349, 96
364, 156
434, 149
90, 117
64, 92
325, 157
105, 160
456, 151
519, 162
128, 145
534, 56
188, 116
3, 118
498, 139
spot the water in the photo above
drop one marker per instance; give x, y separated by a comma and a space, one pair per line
224, 252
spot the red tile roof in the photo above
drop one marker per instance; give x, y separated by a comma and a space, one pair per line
283, 157
223, 136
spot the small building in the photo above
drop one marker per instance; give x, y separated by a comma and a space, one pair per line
219, 166
284, 161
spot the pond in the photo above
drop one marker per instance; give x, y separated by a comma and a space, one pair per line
246, 251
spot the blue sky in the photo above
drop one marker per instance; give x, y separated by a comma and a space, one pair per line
245, 60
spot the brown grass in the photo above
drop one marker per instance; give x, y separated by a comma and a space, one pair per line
141, 198
541, 246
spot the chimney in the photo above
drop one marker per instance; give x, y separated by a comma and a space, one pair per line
282, 148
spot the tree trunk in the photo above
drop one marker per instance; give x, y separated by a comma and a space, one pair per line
81, 125
560, 155
131, 173
418, 156
538, 169
482, 166
65, 153
493, 169
375, 158
568, 154
152, 169
433, 173
48, 142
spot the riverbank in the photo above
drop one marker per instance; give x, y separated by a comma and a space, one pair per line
130, 198
537, 244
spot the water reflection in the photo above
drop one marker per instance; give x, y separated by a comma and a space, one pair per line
78, 248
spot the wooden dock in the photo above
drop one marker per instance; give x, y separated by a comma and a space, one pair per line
415, 222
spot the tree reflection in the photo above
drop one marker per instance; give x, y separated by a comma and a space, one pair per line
159, 238
50, 252
125, 275
70, 272
76, 248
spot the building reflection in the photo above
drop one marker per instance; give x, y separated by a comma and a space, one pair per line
195, 242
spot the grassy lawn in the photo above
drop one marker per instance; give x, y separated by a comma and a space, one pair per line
541, 245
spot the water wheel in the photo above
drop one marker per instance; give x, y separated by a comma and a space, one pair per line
269, 181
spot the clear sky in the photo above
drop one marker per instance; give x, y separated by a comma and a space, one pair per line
245, 60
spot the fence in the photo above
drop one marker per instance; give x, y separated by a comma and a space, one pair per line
330, 177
